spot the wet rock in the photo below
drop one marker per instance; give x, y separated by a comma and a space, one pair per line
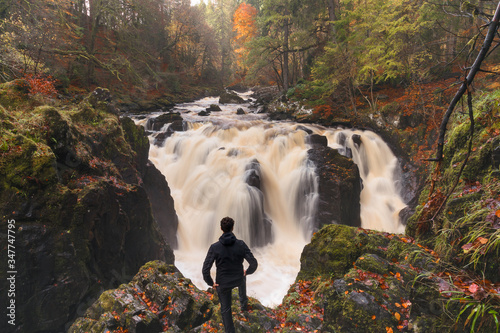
213, 107
281, 115
203, 113
305, 129
261, 228
339, 188
167, 118
356, 138
240, 111
230, 98
162, 203
317, 140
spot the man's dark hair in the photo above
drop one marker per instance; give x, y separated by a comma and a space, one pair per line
227, 224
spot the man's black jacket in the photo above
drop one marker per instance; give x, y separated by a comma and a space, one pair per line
228, 254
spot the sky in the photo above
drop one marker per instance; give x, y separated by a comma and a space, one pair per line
195, 2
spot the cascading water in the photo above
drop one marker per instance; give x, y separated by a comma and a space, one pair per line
257, 172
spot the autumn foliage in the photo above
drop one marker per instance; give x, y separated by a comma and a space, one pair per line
41, 85
245, 27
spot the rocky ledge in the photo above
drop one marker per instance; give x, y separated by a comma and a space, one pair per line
351, 280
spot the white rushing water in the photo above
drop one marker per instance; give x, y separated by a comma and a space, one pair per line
210, 167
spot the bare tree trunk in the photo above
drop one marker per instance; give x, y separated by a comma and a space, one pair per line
332, 16
285, 56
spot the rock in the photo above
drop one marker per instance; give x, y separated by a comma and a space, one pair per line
317, 140
305, 129
367, 281
240, 111
281, 115
265, 95
167, 118
213, 107
83, 216
230, 98
339, 188
160, 137
162, 203
203, 113
261, 227
158, 299
356, 138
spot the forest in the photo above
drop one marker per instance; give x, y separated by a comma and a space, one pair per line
422, 74
335, 51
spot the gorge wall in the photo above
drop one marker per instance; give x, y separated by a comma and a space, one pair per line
77, 183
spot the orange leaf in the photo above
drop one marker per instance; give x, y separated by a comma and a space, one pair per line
482, 240
397, 315
398, 305
389, 330
473, 288
498, 213
373, 317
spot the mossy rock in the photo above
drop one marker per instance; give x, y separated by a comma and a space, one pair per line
333, 250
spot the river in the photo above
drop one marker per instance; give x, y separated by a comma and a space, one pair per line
211, 165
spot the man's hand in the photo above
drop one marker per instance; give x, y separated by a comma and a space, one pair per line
215, 285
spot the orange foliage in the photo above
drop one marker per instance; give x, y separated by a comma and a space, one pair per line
244, 24
41, 85
324, 111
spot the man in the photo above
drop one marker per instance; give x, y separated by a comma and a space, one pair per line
228, 254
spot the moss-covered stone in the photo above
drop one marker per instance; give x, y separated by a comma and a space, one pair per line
160, 299
73, 184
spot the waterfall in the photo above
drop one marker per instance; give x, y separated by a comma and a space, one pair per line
257, 172
378, 167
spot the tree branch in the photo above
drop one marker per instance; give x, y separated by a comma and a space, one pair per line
468, 81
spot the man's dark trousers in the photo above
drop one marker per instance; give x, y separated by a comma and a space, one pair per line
226, 301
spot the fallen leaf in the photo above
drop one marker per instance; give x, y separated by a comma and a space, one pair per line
389, 330
397, 316
397, 305
373, 317
473, 288
482, 240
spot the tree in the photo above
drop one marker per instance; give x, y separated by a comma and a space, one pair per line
245, 27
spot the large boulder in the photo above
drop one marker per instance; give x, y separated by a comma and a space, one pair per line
230, 98
72, 180
369, 281
339, 188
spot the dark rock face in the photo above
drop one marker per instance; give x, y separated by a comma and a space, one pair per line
173, 118
162, 203
160, 299
230, 98
339, 188
261, 232
240, 111
317, 140
213, 107
79, 198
